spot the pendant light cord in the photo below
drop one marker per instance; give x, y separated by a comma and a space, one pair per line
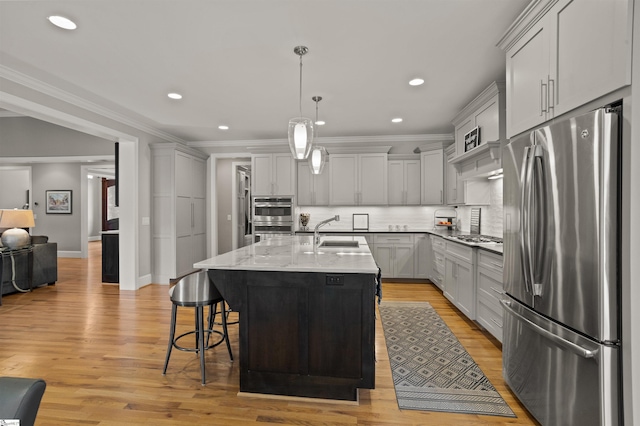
300, 85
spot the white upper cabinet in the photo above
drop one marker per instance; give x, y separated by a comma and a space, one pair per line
463, 192
358, 179
486, 112
563, 55
273, 174
313, 190
432, 163
404, 182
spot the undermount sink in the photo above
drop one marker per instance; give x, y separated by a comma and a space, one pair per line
339, 243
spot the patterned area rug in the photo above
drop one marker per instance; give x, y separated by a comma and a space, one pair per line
431, 369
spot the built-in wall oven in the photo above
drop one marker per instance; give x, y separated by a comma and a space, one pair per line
272, 216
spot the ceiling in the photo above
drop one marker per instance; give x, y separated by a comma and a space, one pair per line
233, 61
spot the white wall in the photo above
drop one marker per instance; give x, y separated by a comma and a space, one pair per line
29, 137
63, 229
14, 184
94, 193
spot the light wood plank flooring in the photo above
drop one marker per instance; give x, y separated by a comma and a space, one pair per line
101, 352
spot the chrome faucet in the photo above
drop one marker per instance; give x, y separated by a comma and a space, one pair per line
316, 232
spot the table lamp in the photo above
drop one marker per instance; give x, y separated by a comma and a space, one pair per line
15, 237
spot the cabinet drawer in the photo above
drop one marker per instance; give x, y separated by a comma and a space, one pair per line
490, 317
437, 278
393, 239
437, 244
438, 262
460, 251
490, 261
490, 283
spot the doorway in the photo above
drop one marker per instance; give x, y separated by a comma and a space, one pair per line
241, 205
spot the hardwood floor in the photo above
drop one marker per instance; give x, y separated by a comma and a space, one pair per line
101, 352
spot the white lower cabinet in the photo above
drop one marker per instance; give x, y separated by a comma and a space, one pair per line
422, 256
490, 290
394, 254
438, 248
459, 279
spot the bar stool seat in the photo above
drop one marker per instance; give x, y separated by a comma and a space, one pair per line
196, 290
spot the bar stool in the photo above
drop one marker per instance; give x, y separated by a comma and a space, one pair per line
196, 290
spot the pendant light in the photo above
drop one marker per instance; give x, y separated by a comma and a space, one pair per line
300, 128
318, 156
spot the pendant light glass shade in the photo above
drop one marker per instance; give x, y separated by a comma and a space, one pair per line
300, 128
300, 137
318, 159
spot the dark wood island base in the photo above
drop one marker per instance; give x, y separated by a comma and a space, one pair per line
305, 334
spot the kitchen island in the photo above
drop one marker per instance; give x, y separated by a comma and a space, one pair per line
307, 314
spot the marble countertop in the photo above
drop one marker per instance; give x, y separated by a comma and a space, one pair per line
296, 253
444, 233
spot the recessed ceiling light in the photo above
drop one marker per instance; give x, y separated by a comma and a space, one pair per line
416, 82
62, 22
175, 95
223, 127
396, 120
320, 123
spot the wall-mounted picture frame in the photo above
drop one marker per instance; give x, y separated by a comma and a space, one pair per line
58, 201
360, 222
472, 139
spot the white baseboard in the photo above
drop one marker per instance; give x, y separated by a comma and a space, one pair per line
74, 254
95, 238
144, 280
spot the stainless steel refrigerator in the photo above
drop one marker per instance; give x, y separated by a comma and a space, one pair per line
561, 331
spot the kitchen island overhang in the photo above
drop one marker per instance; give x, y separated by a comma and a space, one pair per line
307, 315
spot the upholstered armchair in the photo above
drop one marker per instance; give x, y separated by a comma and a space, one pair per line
20, 399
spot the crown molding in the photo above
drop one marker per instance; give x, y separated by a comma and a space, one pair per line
89, 159
49, 90
524, 22
259, 145
492, 90
171, 146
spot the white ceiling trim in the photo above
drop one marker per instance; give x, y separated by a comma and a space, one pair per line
61, 159
54, 92
338, 140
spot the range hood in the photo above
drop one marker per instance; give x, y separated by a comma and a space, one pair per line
480, 162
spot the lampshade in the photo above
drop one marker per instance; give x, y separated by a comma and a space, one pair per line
16, 237
318, 159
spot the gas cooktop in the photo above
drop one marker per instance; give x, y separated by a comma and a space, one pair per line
478, 239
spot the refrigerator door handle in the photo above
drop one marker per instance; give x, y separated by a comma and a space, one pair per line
537, 260
525, 222
576, 349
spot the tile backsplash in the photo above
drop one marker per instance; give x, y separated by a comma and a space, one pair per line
491, 215
415, 217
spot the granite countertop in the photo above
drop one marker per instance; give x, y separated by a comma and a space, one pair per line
296, 254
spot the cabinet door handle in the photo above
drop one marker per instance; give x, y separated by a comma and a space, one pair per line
543, 95
192, 218
551, 96
497, 290
440, 196
496, 322
496, 264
